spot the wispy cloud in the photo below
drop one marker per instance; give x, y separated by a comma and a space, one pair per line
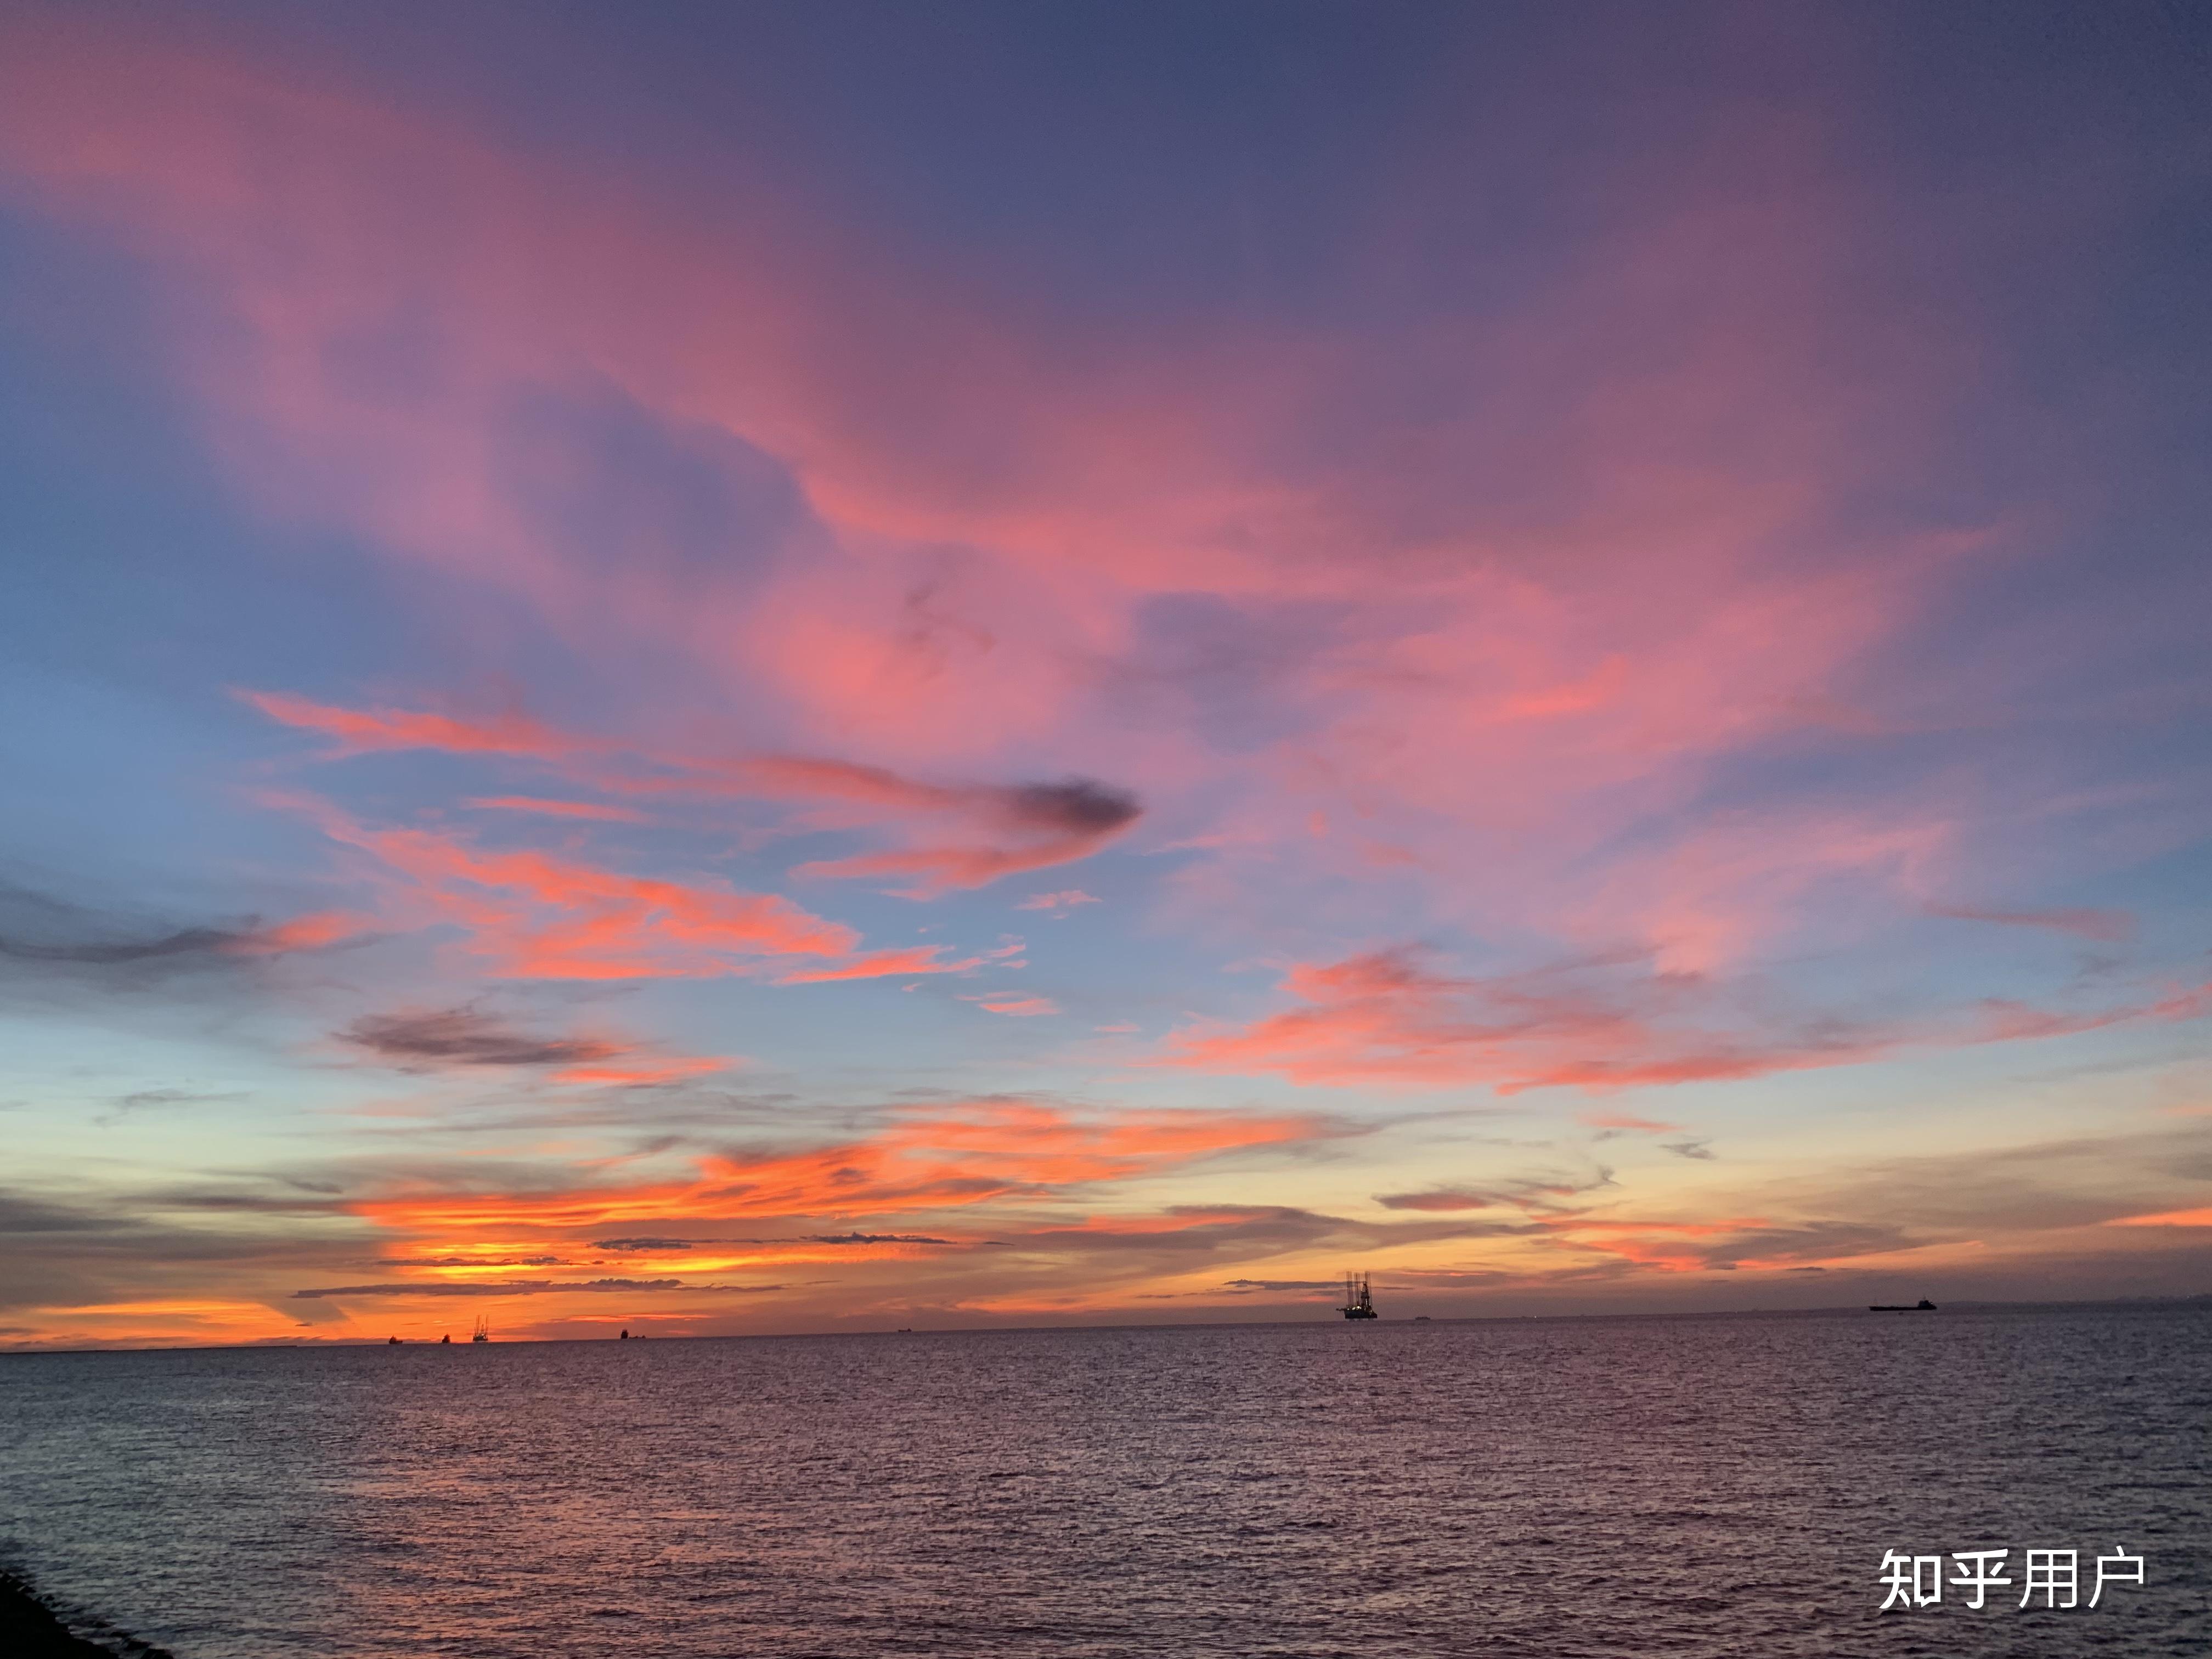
43, 931
536, 914
1389, 1017
1026, 826
1014, 1003
1060, 902
955, 1156
2106, 926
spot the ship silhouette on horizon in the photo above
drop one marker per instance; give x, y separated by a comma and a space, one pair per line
1359, 1298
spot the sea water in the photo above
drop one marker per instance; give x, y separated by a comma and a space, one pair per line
1549, 1488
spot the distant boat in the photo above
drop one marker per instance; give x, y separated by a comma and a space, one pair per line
1921, 1306
447, 1339
1359, 1298
483, 1332
1420, 1319
392, 1341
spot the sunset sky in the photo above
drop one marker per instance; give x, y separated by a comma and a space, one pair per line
774, 668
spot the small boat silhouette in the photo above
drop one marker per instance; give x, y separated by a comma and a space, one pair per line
1921, 1306
483, 1332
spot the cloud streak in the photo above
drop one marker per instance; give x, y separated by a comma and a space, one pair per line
1388, 1017
538, 915
1031, 826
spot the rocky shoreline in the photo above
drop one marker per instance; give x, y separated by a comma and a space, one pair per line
29, 1630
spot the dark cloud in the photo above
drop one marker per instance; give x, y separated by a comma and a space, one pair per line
319, 1201
1078, 806
2111, 927
1689, 1148
157, 1099
1824, 1240
1445, 1278
515, 1287
628, 1244
69, 1250
117, 964
466, 1037
1531, 1194
146, 1097
487, 1261
38, 928
187, 941
1441, 1199
1236, 1234
1248, 1284
19, 1215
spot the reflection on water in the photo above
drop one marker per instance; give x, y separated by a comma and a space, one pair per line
1545, 1488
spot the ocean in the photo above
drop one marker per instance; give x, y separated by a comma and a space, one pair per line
1551, 1488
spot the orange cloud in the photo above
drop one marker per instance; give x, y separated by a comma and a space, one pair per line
948, 1158
639, 1073
2166, 1219
158, 1321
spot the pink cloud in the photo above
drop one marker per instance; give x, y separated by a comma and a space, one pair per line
1014, 1003
1559, 601
1597, 611
540, 915
2108, 926
877, 964
361, 730
1029, 826
1386, 1018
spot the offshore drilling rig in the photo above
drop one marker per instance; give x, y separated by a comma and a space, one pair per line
1359, 1299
